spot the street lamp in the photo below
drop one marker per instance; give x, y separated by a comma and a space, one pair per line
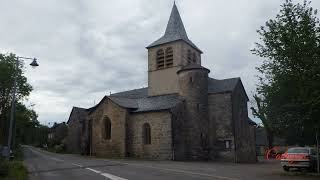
13, 105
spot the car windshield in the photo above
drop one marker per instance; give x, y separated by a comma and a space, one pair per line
298, 150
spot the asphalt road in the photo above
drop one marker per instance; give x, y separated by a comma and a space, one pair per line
43, 165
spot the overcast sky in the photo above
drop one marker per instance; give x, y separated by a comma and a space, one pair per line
87, 49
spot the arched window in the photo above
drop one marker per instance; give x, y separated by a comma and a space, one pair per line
169, 57
194, 57
146, 130
189, 56
107, 128
160, 59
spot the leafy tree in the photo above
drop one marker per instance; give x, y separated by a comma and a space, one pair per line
289, 81
26, 125
260, 110
7, 72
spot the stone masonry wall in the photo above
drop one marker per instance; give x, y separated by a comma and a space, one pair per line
221, 126
244, 141
165, 81
178, 134
74, 134
114, 147
161, 139
193, 87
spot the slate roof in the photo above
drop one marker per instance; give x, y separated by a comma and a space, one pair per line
139, 101
224, 85
82, 112
133, 94
57, 125
157, 103
125, 102
192, 66
175, 31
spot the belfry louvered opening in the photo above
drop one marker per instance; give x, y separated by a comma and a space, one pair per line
194, 57
169, 57
189, 56
160, 59
164, 59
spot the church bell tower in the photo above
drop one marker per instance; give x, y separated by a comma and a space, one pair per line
168, 55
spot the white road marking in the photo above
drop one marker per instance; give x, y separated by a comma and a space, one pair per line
178, 171
98, 172
110, 176
113, 177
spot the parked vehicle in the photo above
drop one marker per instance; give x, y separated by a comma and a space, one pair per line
299, 157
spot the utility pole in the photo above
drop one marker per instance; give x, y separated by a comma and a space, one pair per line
13, 107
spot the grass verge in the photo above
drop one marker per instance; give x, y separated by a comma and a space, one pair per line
13, 169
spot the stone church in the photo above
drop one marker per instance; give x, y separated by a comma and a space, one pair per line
182, 115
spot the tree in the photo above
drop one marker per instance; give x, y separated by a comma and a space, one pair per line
25, 125
7, 72
260, 111
289, 81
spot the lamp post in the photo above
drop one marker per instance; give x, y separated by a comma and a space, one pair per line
13, 105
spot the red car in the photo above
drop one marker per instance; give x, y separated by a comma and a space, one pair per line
299, 157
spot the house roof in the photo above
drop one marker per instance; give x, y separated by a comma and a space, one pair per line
81, 112
133, 94
214, 86
224, 85
125, 102
175, 31
138, 100
157, 103
56, 125
192, 66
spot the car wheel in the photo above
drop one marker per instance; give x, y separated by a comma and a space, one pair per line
285, 168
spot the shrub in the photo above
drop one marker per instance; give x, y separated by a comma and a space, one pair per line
17, 171
4, 167
59, 148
